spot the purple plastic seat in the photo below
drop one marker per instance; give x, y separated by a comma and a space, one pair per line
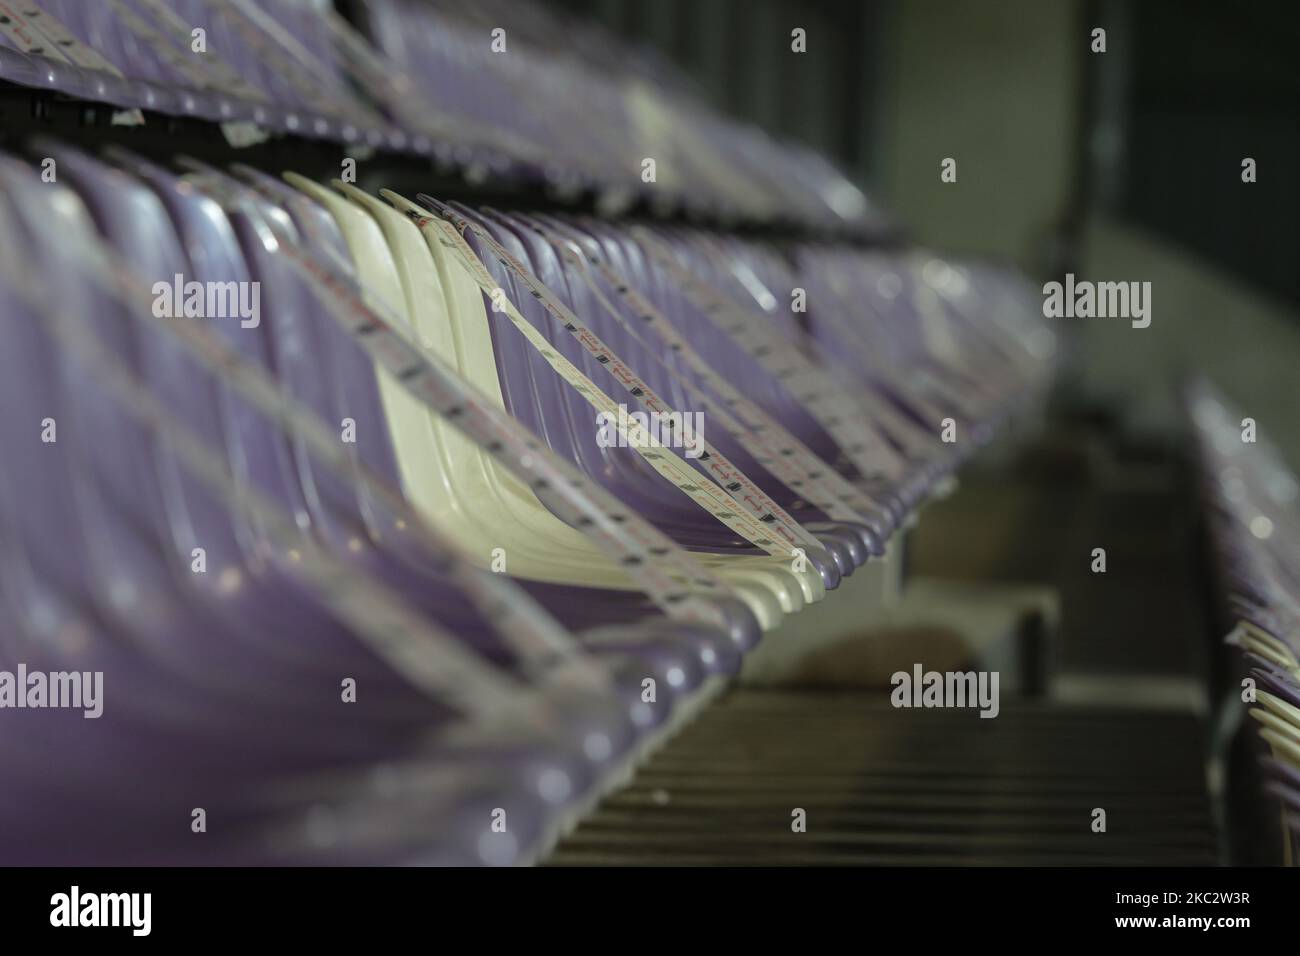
635, 352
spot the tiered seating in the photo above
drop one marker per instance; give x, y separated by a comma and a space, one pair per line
359, 502
356, 463
431, 80
1251, 497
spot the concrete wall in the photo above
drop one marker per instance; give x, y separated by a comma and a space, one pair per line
1203, 322
994, 86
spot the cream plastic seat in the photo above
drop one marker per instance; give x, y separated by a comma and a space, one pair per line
468, 319
469, 331
448, 477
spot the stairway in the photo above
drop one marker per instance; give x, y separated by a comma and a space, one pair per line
881, 786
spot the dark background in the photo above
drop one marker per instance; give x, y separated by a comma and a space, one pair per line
1156, 127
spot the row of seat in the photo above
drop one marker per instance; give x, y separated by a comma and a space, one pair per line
1251, 499
364, 580
487, 87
